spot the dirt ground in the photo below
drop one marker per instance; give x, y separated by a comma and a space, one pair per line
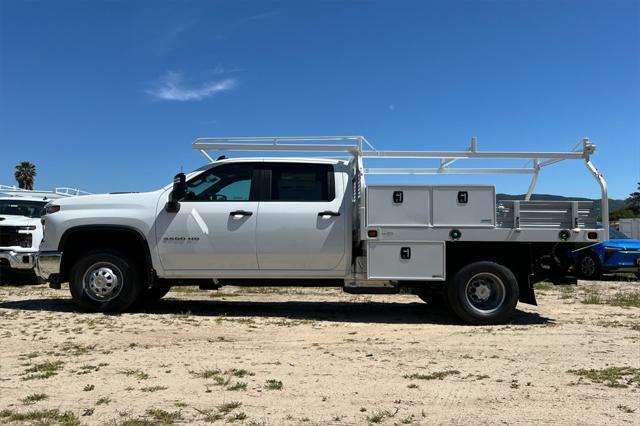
301, 356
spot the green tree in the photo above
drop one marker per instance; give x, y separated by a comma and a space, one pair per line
633, 202
622, 214
25, 174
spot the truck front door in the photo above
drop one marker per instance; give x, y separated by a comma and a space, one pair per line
215, 228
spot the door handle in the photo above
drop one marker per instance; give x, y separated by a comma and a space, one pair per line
328, 213
240, 213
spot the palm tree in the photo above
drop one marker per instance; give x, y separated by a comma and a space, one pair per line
25, 173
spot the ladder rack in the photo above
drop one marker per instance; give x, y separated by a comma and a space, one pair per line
13, 191
360, 149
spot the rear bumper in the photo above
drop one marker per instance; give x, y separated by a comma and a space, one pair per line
18, 260
47, 264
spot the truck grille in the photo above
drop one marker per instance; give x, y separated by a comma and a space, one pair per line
9, 236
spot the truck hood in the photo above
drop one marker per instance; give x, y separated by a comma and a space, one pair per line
14, 220
109, 201
622, 244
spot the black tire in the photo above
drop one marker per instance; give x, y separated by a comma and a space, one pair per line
155, 293
588, 267
638, 275
483, 293
104, 281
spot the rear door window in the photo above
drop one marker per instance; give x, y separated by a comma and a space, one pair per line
301, 182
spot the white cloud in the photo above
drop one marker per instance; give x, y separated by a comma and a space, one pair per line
171, 88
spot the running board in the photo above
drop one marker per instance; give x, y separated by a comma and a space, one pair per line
370, 287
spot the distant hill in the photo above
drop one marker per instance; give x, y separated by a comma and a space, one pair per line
613, 204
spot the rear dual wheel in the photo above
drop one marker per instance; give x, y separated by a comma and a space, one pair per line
483, 293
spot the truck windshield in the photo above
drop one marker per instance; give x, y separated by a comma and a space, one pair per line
28, 208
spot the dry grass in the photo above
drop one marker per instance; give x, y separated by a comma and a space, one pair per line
315, 356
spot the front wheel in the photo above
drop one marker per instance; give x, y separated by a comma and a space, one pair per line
483, 293
104, 281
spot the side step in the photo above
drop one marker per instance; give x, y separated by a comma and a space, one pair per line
370, 287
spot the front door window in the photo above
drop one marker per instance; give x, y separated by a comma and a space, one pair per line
230, 182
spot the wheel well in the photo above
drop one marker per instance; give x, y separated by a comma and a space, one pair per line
515, 256
77, 241
589, 252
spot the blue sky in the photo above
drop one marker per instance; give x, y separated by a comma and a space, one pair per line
107, 96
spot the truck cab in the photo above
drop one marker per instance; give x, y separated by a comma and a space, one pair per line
253, 217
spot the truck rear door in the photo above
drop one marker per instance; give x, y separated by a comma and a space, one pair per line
302, 219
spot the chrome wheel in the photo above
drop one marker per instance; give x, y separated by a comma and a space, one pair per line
588, 266
485, 293
102, 282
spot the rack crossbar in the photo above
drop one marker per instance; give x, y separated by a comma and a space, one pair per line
276, 147
434, 171
470, 155
60, 191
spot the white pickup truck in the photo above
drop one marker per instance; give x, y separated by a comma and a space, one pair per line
20, 235
21, 230
274, 220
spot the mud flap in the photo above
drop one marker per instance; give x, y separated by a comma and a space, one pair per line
54, 281
527, 294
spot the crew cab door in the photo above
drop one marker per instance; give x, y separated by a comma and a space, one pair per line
215, 228
301, 219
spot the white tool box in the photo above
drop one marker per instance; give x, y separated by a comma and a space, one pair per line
431, 205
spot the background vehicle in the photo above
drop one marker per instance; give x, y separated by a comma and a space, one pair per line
630, 227
21, 230
315, 221
20, 235
619, 254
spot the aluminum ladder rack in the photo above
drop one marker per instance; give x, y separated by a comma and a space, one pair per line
360, 149
13, 191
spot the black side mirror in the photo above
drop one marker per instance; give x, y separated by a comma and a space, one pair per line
178, 193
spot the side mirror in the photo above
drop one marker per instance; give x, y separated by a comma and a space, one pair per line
177, 193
